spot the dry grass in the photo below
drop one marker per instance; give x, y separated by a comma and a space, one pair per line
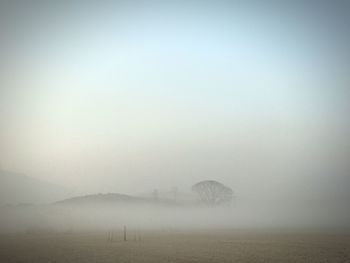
176, 246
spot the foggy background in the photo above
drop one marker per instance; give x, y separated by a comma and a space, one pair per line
129, 96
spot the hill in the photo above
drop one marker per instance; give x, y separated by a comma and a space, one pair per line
112, 198
17, 188
102, 198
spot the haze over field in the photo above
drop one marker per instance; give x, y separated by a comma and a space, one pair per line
131, 96
174, 131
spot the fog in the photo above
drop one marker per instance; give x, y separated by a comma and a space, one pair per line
143, 217
128, 97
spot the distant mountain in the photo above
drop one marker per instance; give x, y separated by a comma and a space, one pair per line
18, 188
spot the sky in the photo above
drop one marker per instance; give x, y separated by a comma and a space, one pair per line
128, 96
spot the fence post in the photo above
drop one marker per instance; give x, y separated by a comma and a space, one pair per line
109, 236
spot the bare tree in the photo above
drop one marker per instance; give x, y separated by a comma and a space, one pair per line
212, 192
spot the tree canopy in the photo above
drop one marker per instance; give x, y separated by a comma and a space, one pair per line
212, 192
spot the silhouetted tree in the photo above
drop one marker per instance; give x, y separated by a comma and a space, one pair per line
212, 192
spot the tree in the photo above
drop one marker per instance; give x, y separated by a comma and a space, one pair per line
212, 193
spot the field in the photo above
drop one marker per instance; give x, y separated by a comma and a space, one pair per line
176, 246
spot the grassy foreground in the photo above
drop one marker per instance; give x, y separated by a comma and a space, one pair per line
176, 246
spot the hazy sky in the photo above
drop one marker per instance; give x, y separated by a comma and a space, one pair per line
135, 95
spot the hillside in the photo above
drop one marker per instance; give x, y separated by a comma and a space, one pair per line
101, 198
112, 198
18, 188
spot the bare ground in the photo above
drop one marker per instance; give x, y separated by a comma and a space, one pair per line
176, 246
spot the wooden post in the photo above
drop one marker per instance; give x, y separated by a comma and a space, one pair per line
139, 235
124, 233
